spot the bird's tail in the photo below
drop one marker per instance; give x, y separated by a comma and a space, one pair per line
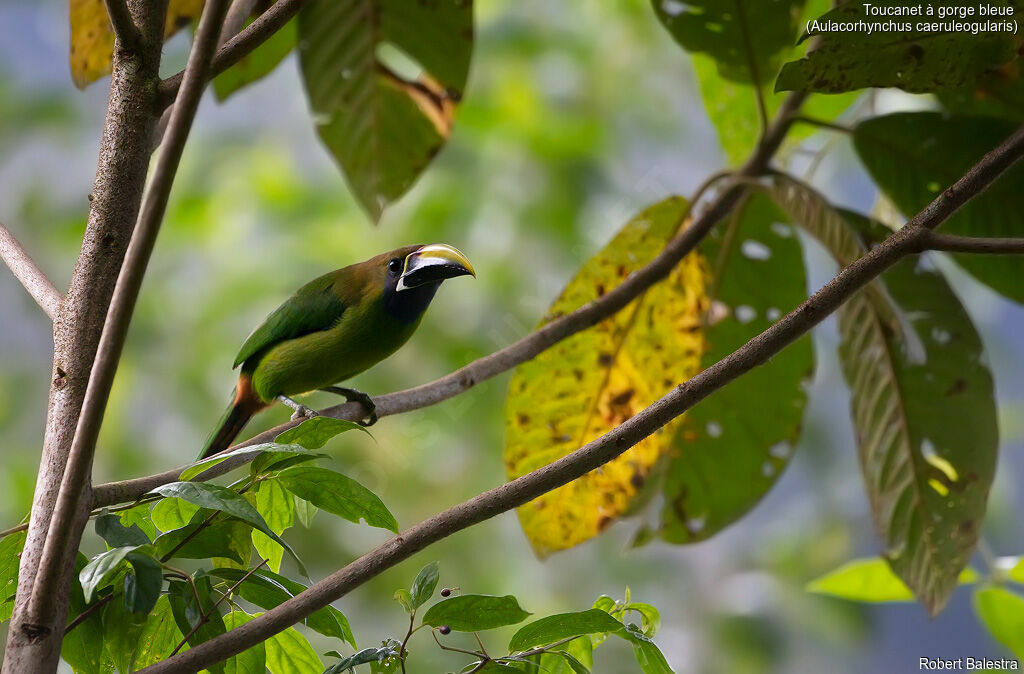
245, 404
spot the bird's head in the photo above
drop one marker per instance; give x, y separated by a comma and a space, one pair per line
414, 273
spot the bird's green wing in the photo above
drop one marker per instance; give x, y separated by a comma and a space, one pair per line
314, 307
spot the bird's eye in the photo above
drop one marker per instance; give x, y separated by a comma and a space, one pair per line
395, 266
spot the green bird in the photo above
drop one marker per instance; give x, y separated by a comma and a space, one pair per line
333, 328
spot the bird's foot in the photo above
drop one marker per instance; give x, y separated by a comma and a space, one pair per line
354, 396
300, 411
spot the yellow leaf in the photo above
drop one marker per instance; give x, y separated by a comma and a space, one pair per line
593, 381
92, 38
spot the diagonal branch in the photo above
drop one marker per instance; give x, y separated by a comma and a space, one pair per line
28, 272
969, 244
76, 475
907, 241
238, 47
526, 348
125, 30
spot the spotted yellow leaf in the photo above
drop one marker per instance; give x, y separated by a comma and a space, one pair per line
92, 38
588, 384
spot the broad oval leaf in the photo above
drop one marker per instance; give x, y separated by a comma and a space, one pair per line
922, 403
121, 631
289, 652
648, 656
101, 569
230, 502
190, 602
116, 534
227, 539
475, 612
562, 626
744, 37
591, 382
384, 121
912, 60
338, 494
159, 635
250, 661
871, 580
424, 584
913, 156
10, 561
92, 38
730, 450
173, 513
258, 63
278, 508
1002, 612
142, 586
314, 433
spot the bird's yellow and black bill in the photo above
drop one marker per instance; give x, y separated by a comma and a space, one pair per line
433, 263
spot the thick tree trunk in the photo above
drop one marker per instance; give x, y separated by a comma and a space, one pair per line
117, 192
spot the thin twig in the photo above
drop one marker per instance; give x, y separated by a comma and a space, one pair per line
522, 350
122, 305
238, 47
822, 124
84, 615
28, 272
235, 19
757, 351
204, 616
401, 649
125, 30
968, 244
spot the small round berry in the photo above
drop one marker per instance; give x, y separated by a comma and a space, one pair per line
446, 592
444, 629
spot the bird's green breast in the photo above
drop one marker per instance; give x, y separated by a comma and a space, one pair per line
363, 336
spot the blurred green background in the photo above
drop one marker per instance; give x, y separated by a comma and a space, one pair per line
577, 114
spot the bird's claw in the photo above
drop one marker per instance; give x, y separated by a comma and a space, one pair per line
303, 412
354, 396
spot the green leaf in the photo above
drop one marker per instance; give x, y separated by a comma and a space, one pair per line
140, 517
588, 384
562, 626
727, 453
189, 603
403, 597
228, 501
102, 569
910, 59
289, 652
314, 433
575, 657
267, 590
277, 507
159, 635
305, 511
338, 494
368, 655
922, 403
10, 560
228, 538
249, 661
142, 588
871, 580
913, 156
650, 617
383, 127
258, 63
475, 612
1016, 572
82, 648
281, 457
1003, 614
173, 513
117, 535
744, 37
424, 585
209, 462
121, 632
646, 652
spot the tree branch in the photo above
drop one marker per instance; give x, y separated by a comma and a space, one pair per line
117, 191
238, 47
969, 244
125, 30
521, 351
31, 276
596, 453
126, 292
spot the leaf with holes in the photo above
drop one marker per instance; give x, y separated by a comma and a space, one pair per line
914, 60
728, 452
915, 155
92, 38
383, 78
591, 382
922, 403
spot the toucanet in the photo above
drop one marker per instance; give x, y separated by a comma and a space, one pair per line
333, 328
